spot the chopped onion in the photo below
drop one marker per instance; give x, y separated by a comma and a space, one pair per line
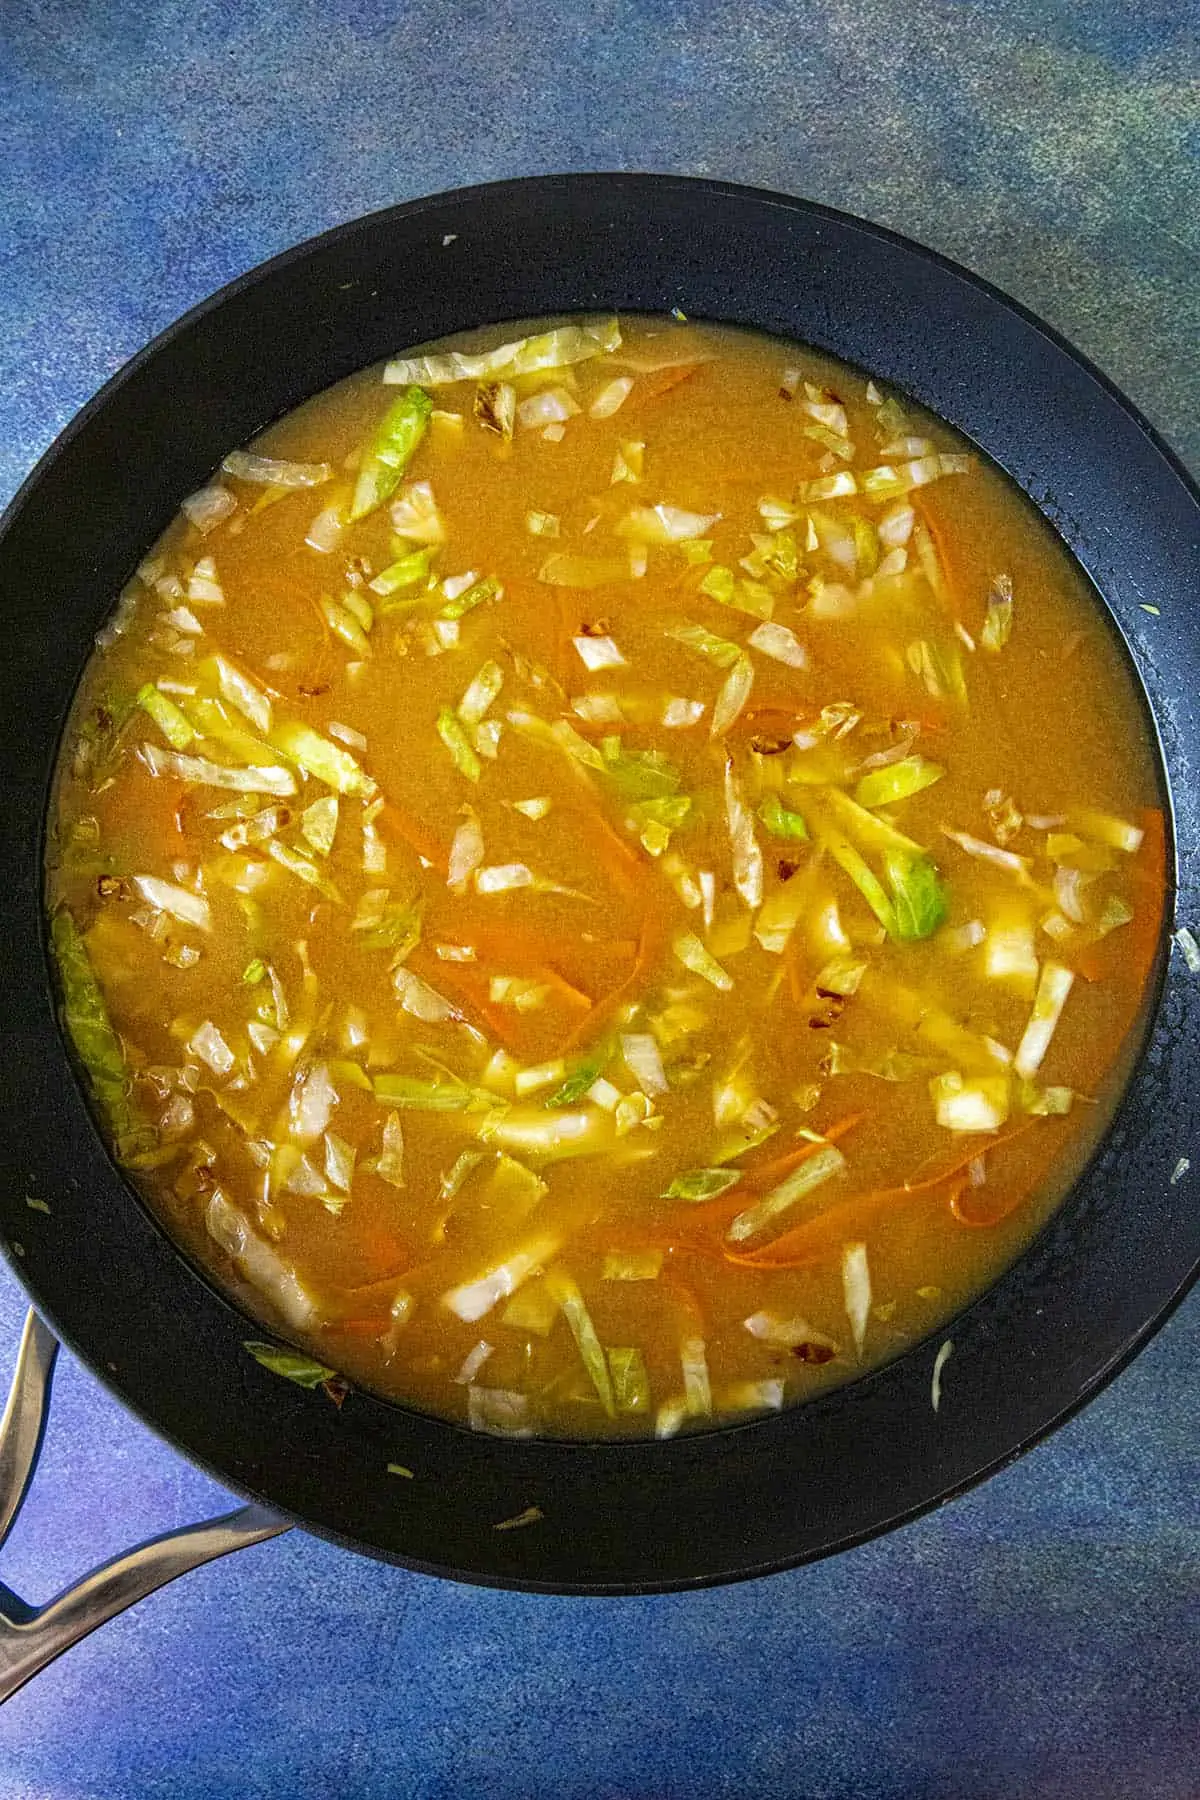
856, 1288
664, 524
542, 524
778, 642
598, 709
550, 406
628, 463
181, 618
206, 508
540, 1075
644, 1062
480, 694
598, 653
210, 1047
191, 908
980, 1104
1068, 888
1054, 985
678, 714
669, 1417
895, 524
318, 823
611, 398
325, 532
1011, 955
939, 1363
1104, 828
564, 570
501, 877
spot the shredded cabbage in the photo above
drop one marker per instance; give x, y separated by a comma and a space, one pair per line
524, 356
630, 1380
565, 1290
820, 1167
702, 1184
390, 450
856, 1287
694, 956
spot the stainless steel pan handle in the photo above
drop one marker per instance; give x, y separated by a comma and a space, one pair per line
31, 1637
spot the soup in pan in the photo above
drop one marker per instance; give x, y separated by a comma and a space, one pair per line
603, 877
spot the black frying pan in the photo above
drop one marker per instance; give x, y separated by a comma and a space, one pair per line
744, 1499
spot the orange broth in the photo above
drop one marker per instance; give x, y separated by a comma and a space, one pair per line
580, 1050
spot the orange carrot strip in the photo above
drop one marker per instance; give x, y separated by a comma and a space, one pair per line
981, 1220
454, 977
651, 387
650, 941
615, 856
821, 1235
416, 834
938, 537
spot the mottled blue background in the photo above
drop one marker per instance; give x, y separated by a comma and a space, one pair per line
1038, 1639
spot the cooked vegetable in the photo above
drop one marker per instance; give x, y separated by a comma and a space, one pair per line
303, 1370
780, 820
825, 1162
390, 451
897, 781
555, 1013
458, 744
702, 1184
556, 349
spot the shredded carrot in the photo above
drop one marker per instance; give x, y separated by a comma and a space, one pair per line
823, 1235
650, 387
981, 1219
457, 977
650, 942
938, 538
416, 834
615, 856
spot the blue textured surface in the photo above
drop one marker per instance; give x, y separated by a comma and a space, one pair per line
1038, 1638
